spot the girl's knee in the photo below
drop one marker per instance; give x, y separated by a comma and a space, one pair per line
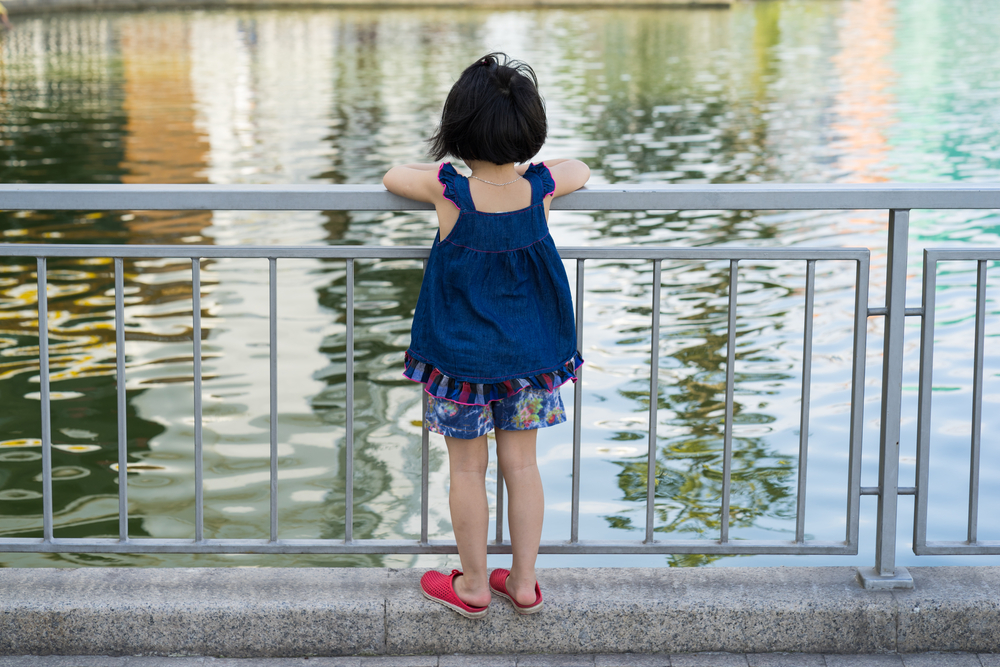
514, 460
470, 456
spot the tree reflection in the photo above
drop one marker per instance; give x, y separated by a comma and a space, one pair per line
689, 466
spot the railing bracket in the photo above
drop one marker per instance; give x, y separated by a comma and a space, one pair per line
872, 581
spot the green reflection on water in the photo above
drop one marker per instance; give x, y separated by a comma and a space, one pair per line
689, 467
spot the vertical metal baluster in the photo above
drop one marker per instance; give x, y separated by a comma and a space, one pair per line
857, 401
654, 369
424, 471
977, 402
574, 530
892, 381
924, 401
807, 336
349, 471
499, 505
273, 338
425, 456
727, 456
122, 404
46, 398
199, 492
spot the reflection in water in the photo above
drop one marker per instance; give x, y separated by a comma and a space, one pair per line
864, 103
768, 91
162, 142
689, 470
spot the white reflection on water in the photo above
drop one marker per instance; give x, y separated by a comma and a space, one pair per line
849, 91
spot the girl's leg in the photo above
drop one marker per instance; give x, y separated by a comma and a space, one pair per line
526, 507
470, 516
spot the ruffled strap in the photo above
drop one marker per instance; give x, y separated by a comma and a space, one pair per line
455, 186
440, 385
543, 178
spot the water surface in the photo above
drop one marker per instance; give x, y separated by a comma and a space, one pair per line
848, 91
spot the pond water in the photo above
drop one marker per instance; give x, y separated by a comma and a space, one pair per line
822, 91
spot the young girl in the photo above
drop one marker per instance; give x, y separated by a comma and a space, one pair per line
493, 334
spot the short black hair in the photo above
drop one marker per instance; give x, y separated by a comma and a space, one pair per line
493, 113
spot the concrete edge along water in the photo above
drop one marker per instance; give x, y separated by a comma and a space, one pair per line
293, 612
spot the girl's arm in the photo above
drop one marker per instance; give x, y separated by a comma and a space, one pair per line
414, 181
419, 182
569, 175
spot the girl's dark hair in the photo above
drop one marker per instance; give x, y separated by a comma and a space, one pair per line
493, 113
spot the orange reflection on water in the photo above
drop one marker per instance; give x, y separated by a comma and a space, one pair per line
863, 105
163, 144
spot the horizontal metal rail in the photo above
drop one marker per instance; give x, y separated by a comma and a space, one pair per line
321, 197
200, 544
263, 546
972, 545
410, 252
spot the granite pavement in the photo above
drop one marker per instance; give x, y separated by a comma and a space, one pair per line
289, 612
554, 660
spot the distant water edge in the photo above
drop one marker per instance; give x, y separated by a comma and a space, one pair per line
41, 6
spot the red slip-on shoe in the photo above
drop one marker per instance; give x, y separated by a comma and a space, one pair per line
441, 588
498, 584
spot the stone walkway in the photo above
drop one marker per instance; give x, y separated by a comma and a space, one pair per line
602, 660
261, 612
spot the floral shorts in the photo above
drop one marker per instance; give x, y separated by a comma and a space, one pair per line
526, 410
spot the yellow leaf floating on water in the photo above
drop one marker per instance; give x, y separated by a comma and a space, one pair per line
54, 395
79, 433
77, 449
21, 442
137, 467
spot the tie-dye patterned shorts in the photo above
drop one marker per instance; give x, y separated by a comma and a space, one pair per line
526, 410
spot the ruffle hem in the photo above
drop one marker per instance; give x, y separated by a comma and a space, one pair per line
439, 385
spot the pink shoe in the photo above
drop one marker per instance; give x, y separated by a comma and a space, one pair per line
498, 584
441, 588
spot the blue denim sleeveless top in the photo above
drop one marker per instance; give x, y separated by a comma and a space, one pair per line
495, 314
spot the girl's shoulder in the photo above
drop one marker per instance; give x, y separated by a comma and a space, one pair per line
562, 176
453, 186
448, 175
420, 182
541, 172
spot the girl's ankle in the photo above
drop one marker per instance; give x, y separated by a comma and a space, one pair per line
469, 595
522, 590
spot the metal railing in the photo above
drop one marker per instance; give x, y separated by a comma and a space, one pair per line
898, 199
972, 545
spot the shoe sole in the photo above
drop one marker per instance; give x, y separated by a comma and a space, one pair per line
523, 611
455, 608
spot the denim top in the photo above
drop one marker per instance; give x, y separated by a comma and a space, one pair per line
495, 314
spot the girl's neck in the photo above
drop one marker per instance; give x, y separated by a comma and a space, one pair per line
499, 173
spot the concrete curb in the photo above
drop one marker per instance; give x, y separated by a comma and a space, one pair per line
250, 612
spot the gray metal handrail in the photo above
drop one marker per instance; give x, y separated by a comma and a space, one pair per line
321, 197
897, 198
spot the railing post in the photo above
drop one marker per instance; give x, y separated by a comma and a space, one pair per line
885, 574
45, 395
